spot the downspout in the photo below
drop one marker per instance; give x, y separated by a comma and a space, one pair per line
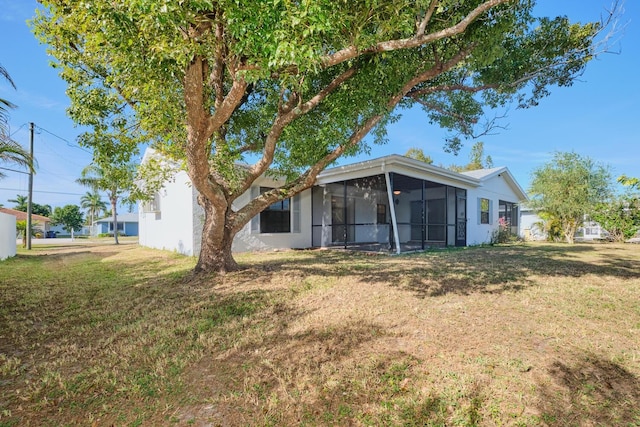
392, 209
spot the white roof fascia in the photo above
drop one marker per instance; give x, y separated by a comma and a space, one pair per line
398, 164
485, 174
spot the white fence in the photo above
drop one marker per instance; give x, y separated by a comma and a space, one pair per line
7, 236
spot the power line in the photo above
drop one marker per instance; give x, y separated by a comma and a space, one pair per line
42, 191
17, 130
63, 139
13, 170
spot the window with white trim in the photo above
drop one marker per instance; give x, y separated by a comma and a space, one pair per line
485, 211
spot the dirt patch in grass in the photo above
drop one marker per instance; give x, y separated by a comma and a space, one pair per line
512, 335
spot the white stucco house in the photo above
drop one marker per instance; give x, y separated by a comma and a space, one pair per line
392, 203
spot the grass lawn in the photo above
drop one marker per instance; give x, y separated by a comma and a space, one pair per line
530, 335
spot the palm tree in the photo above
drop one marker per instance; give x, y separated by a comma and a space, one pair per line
93, 203
10, 151
115, 180
21, 203
4, 104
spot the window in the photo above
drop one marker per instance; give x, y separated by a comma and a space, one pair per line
152, 205
277, 217
120, 226
484, 211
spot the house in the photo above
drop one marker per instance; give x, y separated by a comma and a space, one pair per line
127, 225
39, 224
392, 203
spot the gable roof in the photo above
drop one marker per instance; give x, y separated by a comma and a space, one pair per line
501, 172
22, 216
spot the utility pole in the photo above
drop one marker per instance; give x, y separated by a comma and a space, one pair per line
30, 197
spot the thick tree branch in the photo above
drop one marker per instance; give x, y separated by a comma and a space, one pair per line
352, 52
283, 120
307, 179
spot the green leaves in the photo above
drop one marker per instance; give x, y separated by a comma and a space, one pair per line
569, 187
68, 216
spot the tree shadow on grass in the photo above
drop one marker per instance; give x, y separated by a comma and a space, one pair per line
590, 391
279, 376
471, 270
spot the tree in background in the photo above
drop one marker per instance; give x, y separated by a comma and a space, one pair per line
296, 86
418, 154
20, 202
477, 160
10, 151
21, 230
627, 181
44, 210
115, 180
93, 204
69, 217
569, 187
620, 216
21, 205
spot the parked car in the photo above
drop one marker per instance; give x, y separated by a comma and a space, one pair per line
51, 234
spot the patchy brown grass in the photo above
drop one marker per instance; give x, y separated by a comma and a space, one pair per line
512, 335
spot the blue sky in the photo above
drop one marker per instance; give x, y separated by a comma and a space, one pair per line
596, 117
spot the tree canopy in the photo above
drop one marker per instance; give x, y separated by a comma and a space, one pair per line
69, 216
114, 178
569, 187
477, 160
289, 87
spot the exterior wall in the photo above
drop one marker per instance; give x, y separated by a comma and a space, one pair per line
128, 228
494, 189
7, 236
172, 226
252, 240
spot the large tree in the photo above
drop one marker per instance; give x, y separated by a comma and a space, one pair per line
292, 86
569, 187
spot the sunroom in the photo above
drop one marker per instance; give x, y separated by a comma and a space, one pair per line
391, 204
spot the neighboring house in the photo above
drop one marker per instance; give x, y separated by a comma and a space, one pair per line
531, 225
591, 230
392, 203
39, 224
127, 225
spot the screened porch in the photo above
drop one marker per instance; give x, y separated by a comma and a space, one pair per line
388, 212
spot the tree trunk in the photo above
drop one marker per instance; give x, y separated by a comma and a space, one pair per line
217, 238
114, 203
569, 232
